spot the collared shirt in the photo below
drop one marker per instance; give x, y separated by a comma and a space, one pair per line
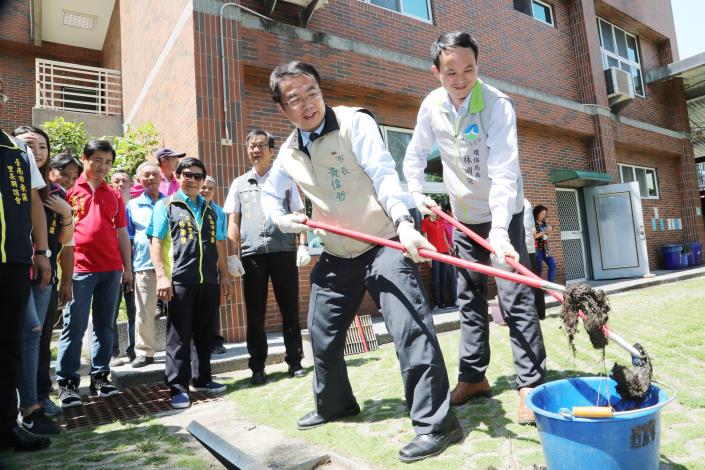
370, 153
159, 225
503, 154
139, 214
168, 187
232, 201
98, 215
435, 231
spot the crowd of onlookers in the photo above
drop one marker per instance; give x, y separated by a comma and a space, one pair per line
80, 238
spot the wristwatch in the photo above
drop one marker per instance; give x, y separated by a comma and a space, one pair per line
46, 253
403, 218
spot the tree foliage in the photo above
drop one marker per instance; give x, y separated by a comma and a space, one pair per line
134, 147
65, 136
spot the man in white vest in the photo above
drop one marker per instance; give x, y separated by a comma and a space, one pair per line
474, 126
339, 160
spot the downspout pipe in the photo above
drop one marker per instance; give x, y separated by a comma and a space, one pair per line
223, 61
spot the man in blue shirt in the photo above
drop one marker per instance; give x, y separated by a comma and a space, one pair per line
139, 215
188, 252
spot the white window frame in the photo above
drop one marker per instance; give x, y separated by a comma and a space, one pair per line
429, 187
408, 15
619, 58
550, 12
645, 168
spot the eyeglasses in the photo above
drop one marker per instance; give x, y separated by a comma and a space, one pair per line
4, 98
298, 101
189, 175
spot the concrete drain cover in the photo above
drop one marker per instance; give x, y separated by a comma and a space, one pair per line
131, 403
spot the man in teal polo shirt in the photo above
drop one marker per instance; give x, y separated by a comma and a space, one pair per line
188, 252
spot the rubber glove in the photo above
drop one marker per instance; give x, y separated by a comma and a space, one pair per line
412, 241
235, 267
292, 223
423, 203
502, 247
303, 257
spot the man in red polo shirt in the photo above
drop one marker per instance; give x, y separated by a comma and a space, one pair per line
435, 230
102, 262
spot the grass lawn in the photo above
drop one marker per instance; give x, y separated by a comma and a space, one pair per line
667, 320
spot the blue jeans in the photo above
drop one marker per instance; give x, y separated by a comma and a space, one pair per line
550, 262
131, 312
99, 291
438, 278
36, 311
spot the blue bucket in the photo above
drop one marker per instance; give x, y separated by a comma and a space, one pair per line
628, 440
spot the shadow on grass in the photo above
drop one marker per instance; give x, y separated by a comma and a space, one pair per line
668, 464
147, 444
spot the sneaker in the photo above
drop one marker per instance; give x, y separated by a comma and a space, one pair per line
210, 387
50, 408
101, 386
23, 441
180, 401
142, 361
68, 393
37, 423
219, 349
117, 362
297, 371
259, 377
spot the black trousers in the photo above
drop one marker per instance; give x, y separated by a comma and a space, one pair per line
393, 281
190, 315
14, 292
281, 268
525, 337
44, 364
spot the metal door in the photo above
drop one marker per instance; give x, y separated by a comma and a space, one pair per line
616, 230
574, 259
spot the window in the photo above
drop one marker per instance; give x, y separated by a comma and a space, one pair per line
397, 139
646, 177
420, 9
619, 49
537, 9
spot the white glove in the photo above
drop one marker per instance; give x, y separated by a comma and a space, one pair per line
412, 241
303, 257
502, 247
423, 203
235, 267
292, 223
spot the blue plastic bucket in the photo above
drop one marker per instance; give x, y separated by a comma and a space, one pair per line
697, 250
628, 440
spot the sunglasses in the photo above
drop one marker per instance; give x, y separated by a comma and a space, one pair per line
189, 175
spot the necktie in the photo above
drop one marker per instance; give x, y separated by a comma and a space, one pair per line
313, 136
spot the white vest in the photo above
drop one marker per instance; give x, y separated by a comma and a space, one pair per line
340, 191
462, 142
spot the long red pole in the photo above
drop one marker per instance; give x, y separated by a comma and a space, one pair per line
524, 270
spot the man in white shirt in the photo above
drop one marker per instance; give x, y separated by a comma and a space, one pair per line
474, 127
338, 158
266, 253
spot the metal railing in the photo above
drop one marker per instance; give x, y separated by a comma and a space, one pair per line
71, 87
700, 172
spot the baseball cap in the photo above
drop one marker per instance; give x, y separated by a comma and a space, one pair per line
168, 152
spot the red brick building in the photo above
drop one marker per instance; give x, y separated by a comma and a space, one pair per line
549, 56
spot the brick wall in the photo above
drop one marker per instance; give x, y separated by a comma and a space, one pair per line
111, 45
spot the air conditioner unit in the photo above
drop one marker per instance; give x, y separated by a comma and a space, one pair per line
620, 91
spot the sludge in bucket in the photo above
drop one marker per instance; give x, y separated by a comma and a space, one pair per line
628, 440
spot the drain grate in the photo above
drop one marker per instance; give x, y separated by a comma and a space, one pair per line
131, 403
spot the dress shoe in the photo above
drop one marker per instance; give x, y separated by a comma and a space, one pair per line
465, 391
297, 371
428, 445
259, 377
526, 416
22, 441
313, 419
